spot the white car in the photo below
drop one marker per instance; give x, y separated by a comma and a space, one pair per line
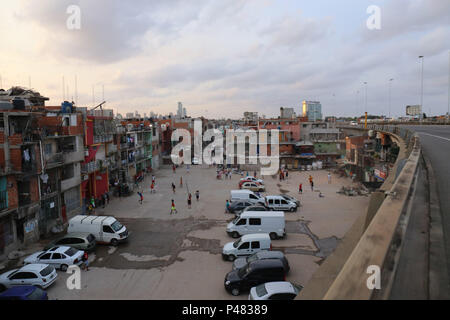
282, 290
250, 178
58, 257
40, 275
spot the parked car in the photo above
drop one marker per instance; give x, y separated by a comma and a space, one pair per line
41, 275
24, 293
238, 206
262, 255
251, 222
281, 290
80, 241
241, 182
254, 274
245, 195
253, 186
251, 178
105, 229
246, 245
279, 203
291, 198
58, 257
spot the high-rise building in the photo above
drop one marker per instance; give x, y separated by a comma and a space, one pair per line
180, 110
312, 110
184, 113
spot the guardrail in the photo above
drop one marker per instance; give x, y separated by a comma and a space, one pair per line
381, 241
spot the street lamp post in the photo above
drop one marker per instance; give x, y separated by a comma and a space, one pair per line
390, 81
365, 107
421, 91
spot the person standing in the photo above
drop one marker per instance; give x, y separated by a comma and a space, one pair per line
152, 187
312, 185
141, 197
189, 201
287, 174
85, 260
300, 188
197, 195
173, 168
329, 178
173, 210
153, 179
181, 182
173, 187
227, 207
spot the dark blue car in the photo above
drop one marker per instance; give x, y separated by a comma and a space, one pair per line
24, 293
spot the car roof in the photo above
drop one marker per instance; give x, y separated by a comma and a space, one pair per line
279, 287
18, 291
240, 191
266, 263
266, 254
262, 214
255, 236
58, 249
34, 267
83, 235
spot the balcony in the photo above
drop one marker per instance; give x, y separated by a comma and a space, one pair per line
55, 160
89, 167
70, 183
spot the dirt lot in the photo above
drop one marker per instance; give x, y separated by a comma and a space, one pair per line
179, 256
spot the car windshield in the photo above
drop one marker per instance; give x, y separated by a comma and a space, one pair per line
116, 226
242, 272
90, 238
70, 252
36, 294
297, 288
261, 290
46, 271
252, 258
237, 242
236, 220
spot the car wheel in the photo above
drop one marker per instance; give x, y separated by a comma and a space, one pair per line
63, 267
231, 257
273, 236
235, 234
114, 242
235, 292
292, 209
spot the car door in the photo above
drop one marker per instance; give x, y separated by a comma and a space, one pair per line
271, 204
284, 205
277, 204
255, 225
107, 234
244, 249
46, 258
57, 260
252, 280
255, 247
18, 279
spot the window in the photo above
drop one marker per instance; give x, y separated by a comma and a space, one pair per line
277, 201
64, 241
45, 256
270, 201
107, 229
245, 245
77, 241
45, 272
255, 222
57, 256
242, 222
255, 245
18, 275
71, 251
284, 202
48, 148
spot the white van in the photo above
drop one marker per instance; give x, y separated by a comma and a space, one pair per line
270, 222
246, 195
105, 229
278, 203
247, 245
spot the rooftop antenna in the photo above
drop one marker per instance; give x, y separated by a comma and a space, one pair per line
64, 89
76, 91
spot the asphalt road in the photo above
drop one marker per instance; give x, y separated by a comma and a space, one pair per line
435, 141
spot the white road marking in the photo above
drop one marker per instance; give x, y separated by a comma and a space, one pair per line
432, 135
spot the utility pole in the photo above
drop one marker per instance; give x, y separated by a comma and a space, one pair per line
421, 92
365, 108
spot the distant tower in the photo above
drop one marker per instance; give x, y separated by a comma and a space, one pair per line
180, 110
184, 113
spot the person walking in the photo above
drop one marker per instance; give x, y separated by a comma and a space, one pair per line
189, 201
153, 179
107, 197
174, 168
173, 187
197, 195
173, 210
141, 197
181, 182
300, 188
287, 174
329, 178
227, 207
312, 185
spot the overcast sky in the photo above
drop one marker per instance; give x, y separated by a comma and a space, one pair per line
223, 57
